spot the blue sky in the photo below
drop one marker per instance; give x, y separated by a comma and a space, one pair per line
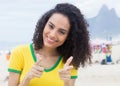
18, 17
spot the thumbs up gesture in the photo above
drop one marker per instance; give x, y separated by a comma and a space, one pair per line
65, 72
36, 70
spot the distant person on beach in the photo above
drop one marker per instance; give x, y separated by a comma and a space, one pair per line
60, 46
104, 48
108, 54
8, 56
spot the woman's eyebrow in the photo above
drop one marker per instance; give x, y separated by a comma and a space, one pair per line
59, 28
51, 23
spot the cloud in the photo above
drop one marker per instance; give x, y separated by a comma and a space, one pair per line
91, 7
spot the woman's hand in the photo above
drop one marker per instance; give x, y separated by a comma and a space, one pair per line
65, 72
36, 70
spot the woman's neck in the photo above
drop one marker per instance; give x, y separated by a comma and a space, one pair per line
48, 52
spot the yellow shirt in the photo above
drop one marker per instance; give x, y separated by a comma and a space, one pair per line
23, 58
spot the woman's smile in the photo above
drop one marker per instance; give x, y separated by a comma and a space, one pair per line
50, 40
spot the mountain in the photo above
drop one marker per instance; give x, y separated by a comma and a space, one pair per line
105, 24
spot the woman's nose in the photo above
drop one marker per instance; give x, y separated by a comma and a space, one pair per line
53, 33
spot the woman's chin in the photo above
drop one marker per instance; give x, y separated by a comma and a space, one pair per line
49, 46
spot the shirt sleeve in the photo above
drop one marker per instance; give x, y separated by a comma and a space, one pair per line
74, 73
16, 61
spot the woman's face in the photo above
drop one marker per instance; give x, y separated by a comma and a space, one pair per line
56, 30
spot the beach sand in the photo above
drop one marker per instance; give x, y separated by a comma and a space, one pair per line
3, 70
99, 75
91, 75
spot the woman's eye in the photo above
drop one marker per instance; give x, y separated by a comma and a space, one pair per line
62, 32
51, 27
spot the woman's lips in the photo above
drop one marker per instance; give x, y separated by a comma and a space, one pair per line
49, 40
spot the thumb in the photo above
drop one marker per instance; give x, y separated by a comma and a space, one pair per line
39, 58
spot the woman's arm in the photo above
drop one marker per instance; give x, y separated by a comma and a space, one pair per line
70, 83
25, 82
13, 79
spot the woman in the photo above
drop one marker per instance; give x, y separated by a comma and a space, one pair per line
60, 46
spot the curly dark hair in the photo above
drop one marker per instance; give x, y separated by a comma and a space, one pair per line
77, 43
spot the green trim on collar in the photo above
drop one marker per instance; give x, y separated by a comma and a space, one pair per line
13, 70
32, 51
55, 65
49, 69
74, 77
